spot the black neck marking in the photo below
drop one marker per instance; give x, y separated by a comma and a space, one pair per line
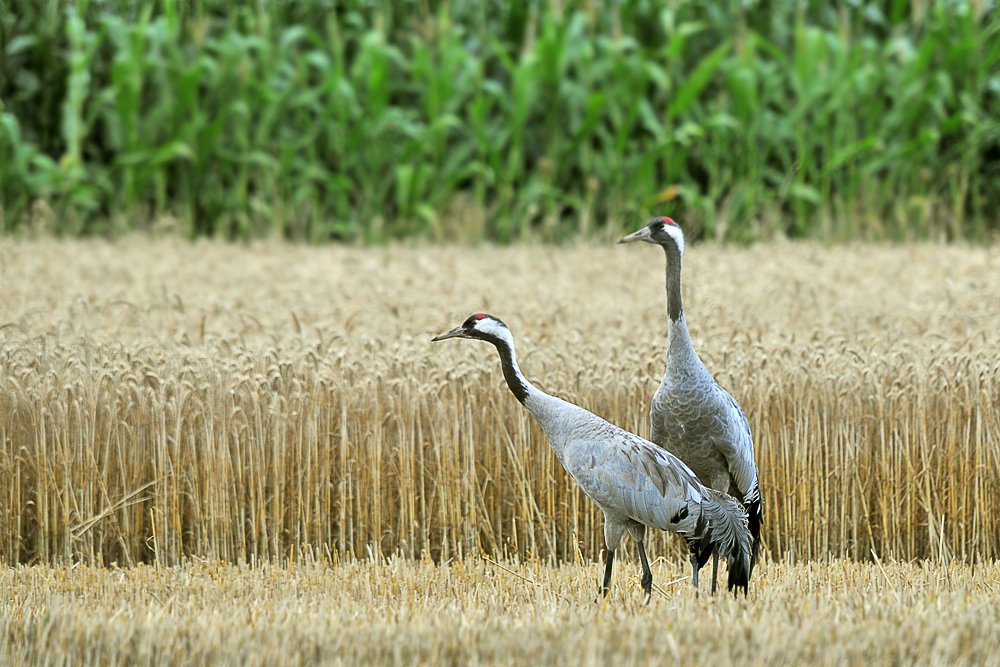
674, 307
514, 380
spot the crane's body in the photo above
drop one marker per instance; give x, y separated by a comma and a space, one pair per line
691, 416
696, 420
635, 483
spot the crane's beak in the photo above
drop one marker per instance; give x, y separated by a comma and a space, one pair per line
641, 235
457, 332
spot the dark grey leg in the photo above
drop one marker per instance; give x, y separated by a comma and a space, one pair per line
694, 572
715, 568
647, 574
608, 565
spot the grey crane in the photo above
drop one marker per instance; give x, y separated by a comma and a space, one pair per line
635, 483
692, 417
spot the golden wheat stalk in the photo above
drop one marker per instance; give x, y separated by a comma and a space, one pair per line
246, 403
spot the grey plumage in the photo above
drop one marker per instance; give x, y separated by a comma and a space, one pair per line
691, 416
635, 483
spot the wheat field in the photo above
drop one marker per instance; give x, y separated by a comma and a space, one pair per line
161, 400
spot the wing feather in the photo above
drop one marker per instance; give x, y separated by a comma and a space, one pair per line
643, 483
705, 426
736, 444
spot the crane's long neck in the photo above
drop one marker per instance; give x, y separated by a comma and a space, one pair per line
519, 385
680, 351
675, 309
548, 410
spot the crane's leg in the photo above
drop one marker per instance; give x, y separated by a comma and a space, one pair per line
715, 568
694, 572
608, 565
647, 574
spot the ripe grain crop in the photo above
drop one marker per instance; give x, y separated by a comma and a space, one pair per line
162, 399
475, 612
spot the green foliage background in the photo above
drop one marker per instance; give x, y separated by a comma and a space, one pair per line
320, 120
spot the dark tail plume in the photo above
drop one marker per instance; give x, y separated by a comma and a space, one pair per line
727, 531
739, 571
755, 517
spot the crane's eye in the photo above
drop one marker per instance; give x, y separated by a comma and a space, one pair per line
474, 320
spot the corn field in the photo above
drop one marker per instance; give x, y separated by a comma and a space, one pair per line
164, 400
467, 121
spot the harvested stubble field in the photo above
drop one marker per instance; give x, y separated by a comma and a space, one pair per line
173, 407
470, 612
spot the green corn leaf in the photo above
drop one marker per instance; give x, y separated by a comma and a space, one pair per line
698, 80
848, 153
175, 150
805, 193
21, 43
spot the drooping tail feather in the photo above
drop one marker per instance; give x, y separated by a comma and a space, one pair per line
755, 517
728, 531
700, 541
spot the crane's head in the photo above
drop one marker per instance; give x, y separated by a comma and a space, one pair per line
661, 231
481, 326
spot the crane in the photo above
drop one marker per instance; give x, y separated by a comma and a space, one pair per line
635, 483
691, 416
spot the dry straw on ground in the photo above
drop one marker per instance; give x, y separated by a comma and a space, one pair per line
405, 612
165, 399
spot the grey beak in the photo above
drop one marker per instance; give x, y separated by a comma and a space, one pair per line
641, 235
453, 333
